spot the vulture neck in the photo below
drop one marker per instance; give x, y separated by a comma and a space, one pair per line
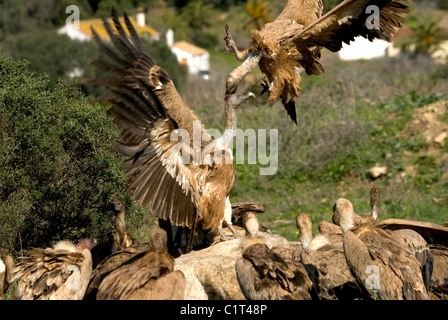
120, 223
305, 237
231, 123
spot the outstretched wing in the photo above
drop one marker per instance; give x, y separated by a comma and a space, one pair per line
149, 111
350, 19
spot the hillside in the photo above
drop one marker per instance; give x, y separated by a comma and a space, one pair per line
357, 115
388, 112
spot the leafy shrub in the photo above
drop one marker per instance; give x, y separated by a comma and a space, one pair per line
59, 169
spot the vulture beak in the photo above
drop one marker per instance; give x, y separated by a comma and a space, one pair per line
237, 100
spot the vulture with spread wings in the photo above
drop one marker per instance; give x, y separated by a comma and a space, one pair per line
293, 41
189, 193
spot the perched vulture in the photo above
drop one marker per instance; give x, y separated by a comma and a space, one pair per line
6, 274
293, 41
264, 273
151, 277
122, 238
440, 271
385, 267
374, 210
186, 180
421, 249
325, 263
304, 225
117, 240
433, 233
58, 273
112, 262
435, 264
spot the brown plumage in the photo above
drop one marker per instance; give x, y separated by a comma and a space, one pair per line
293, 41
58, 273
111, 263
6, 274
266, 274
365, 219
420, 248
117, 240
151, 277
433, 233
440, 271
122, 239
396, 271
332, 231
325, 263
164, 166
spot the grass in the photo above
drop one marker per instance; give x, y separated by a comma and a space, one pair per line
350, 119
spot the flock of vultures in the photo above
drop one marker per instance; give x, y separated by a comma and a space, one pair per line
205, 246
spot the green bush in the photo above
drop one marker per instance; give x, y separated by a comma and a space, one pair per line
58, 166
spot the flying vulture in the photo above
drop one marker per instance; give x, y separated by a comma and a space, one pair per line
185, 181
293, 41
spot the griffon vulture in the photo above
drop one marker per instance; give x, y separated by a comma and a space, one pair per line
186, 180
151, 277
293, 41
6, 274
112, 262
386, 268
325, 262
265, 273
58, 273
122, 238
374, 210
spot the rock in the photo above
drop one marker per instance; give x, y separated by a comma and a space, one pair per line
376, 172
210, 272
439, 139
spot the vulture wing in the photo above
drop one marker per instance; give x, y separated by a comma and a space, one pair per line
152, 117
45, 271
431, 232
265, 275
141, 275
350, 19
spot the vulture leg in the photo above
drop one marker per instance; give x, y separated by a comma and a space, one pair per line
227, 220
231, 46
249, 61
240, 72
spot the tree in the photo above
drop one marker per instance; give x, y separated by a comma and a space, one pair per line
426, 35
58, 166
258, 13
199, 17
52, 53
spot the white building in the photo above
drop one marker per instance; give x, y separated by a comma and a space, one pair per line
195, 58
362, 48
82, 31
